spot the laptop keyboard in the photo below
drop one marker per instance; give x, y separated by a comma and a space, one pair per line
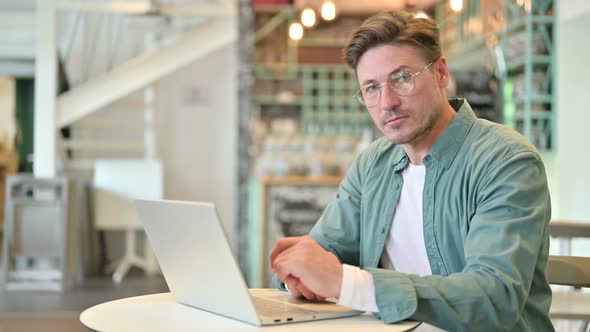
272, 308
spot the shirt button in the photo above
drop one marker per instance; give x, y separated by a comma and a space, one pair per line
382, 230
395, 186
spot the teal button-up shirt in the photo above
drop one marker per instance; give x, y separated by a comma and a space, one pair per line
485, 212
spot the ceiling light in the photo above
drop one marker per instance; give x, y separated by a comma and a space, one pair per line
328, 10
457, 5
295, 31
308, 17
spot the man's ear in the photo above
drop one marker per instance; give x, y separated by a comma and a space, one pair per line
442, 72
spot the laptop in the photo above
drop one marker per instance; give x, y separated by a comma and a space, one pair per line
190, 244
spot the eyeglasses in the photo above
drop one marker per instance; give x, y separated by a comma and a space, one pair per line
402, 84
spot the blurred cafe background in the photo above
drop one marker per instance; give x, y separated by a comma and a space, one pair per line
246, 104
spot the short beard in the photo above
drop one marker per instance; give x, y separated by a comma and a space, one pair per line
431, 121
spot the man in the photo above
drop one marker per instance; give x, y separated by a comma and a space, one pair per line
443, 220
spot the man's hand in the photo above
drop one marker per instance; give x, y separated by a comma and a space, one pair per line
306, 267
296, 288
281, 245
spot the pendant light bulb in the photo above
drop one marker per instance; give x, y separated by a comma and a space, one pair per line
308, 17
457, 5
295, 31
328, 10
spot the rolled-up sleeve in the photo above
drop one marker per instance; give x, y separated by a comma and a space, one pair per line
338, 229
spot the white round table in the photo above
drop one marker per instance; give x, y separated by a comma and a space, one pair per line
160, 312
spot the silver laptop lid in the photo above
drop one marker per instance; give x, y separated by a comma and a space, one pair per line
191, 246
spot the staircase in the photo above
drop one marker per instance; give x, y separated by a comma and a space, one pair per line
121, 130
111, 110
112, 61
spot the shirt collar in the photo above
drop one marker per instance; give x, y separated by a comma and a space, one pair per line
446, 147
399, 158
448, 144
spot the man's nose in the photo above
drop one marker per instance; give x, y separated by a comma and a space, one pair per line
389, 100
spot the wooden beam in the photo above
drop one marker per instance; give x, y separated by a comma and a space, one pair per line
272, 24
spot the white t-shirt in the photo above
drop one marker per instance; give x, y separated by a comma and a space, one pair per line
405, 250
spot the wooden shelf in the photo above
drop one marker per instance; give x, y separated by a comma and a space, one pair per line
534, 115
520, 62
520, 24
273, 100
527, 39
535, 99
269, 9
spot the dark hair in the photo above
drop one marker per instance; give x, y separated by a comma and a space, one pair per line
394, 27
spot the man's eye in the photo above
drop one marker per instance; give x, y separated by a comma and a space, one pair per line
402, 78
371, 89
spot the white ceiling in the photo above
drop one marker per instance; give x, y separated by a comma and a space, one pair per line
17, 4
96, 25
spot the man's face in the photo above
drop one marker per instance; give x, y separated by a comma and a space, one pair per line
403, 119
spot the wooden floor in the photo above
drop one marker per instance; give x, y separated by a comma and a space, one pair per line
48, 311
